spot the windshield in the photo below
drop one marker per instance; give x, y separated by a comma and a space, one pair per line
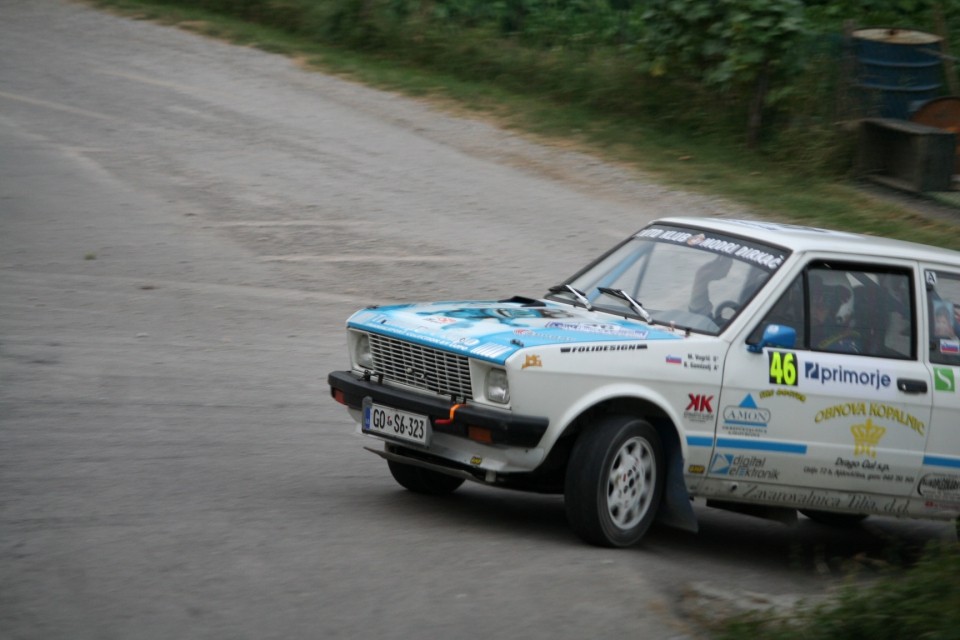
690, 278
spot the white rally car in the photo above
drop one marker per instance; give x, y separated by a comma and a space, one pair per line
765, 368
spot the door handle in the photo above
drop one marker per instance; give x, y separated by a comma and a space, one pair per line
911, 386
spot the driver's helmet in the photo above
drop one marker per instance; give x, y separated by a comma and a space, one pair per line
832, 289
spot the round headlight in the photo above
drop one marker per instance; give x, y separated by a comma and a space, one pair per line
497, 388
363, 355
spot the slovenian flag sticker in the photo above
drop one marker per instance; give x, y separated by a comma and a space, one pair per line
949, 346
674, 360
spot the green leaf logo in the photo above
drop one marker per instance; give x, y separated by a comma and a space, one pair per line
943, 379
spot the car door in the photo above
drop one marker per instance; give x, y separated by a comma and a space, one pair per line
847, 407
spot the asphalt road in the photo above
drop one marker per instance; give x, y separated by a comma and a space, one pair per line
184, 227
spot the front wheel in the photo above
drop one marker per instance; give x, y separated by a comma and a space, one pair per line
614, 481
420, 480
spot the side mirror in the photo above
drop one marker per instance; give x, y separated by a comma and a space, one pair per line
775, 335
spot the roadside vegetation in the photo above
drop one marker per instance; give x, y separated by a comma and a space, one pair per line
921, 603
747, 99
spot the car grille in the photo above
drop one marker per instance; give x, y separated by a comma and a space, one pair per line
418, 366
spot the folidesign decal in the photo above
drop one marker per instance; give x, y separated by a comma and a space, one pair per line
603, 347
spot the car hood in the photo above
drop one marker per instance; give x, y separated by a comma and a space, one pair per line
494, 331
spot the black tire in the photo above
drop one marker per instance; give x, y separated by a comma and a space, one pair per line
420, 480
834, 519
614, 481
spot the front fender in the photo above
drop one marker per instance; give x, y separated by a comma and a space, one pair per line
609, 393
676, 510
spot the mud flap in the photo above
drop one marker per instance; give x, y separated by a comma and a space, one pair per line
676, 509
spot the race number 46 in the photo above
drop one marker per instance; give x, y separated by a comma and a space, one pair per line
783, 368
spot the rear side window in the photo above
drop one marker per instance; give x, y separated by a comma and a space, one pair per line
943, 311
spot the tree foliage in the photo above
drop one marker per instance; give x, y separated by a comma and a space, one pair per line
723, 43
733, 45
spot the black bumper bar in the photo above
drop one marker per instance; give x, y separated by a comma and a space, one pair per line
505, 428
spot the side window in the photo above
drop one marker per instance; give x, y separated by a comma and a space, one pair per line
831, 306
788, 311
943, 306
846, 308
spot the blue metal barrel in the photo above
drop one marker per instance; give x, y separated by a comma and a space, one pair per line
898, 70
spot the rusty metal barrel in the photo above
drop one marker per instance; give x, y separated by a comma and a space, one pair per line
898, 70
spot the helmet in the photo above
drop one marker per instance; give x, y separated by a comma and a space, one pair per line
832, 289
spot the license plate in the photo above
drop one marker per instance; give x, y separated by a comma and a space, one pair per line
388, 422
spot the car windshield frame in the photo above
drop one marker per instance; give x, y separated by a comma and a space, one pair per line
685, 277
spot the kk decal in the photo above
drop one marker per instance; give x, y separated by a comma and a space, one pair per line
700, 403
700, 408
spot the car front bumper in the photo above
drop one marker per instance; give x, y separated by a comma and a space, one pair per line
350, 388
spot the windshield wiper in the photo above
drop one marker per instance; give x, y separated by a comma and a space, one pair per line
569, 288
623, 295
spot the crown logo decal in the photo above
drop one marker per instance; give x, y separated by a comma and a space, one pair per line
532, 361
866, 437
